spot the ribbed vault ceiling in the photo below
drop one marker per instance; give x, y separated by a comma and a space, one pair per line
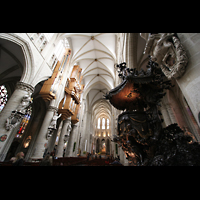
96, 55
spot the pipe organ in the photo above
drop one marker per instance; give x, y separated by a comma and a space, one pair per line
50, 86
70, 104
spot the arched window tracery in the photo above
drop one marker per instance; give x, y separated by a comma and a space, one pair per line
3, 97
24, 123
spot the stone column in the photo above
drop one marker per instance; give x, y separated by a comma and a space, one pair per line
132, 53
86, 131
75, 139
41, 140
170, 112
177, 111
189, 83
127, 49
131, 50
70, 145
51, 142
166, 118
59, 151
14, 101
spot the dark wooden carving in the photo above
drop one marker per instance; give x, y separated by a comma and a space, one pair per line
139, 130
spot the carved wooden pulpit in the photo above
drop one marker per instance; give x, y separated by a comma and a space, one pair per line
138, 95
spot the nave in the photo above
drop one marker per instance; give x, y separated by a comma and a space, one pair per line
73, 161
53, 88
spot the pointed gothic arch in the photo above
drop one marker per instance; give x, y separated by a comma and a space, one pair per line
28, 67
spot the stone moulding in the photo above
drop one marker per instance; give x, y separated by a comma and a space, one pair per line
167, 51
25, 87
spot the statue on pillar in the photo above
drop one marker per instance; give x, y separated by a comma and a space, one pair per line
52, 125
26, 101
66, 137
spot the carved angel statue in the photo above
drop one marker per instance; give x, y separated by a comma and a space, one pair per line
54, 121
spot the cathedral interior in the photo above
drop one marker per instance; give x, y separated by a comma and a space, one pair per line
108, 94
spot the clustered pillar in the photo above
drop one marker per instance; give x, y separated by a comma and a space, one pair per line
21, 90
63, 134
42, 141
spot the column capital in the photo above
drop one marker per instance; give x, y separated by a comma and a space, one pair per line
53, 109
74, 125
67, 120
25, 87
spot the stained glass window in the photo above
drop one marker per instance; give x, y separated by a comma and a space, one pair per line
60, 48
107, 123
103, 123
3, 97
98, 125
24, 123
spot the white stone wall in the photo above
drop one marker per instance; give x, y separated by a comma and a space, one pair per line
41, 70
189, 83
